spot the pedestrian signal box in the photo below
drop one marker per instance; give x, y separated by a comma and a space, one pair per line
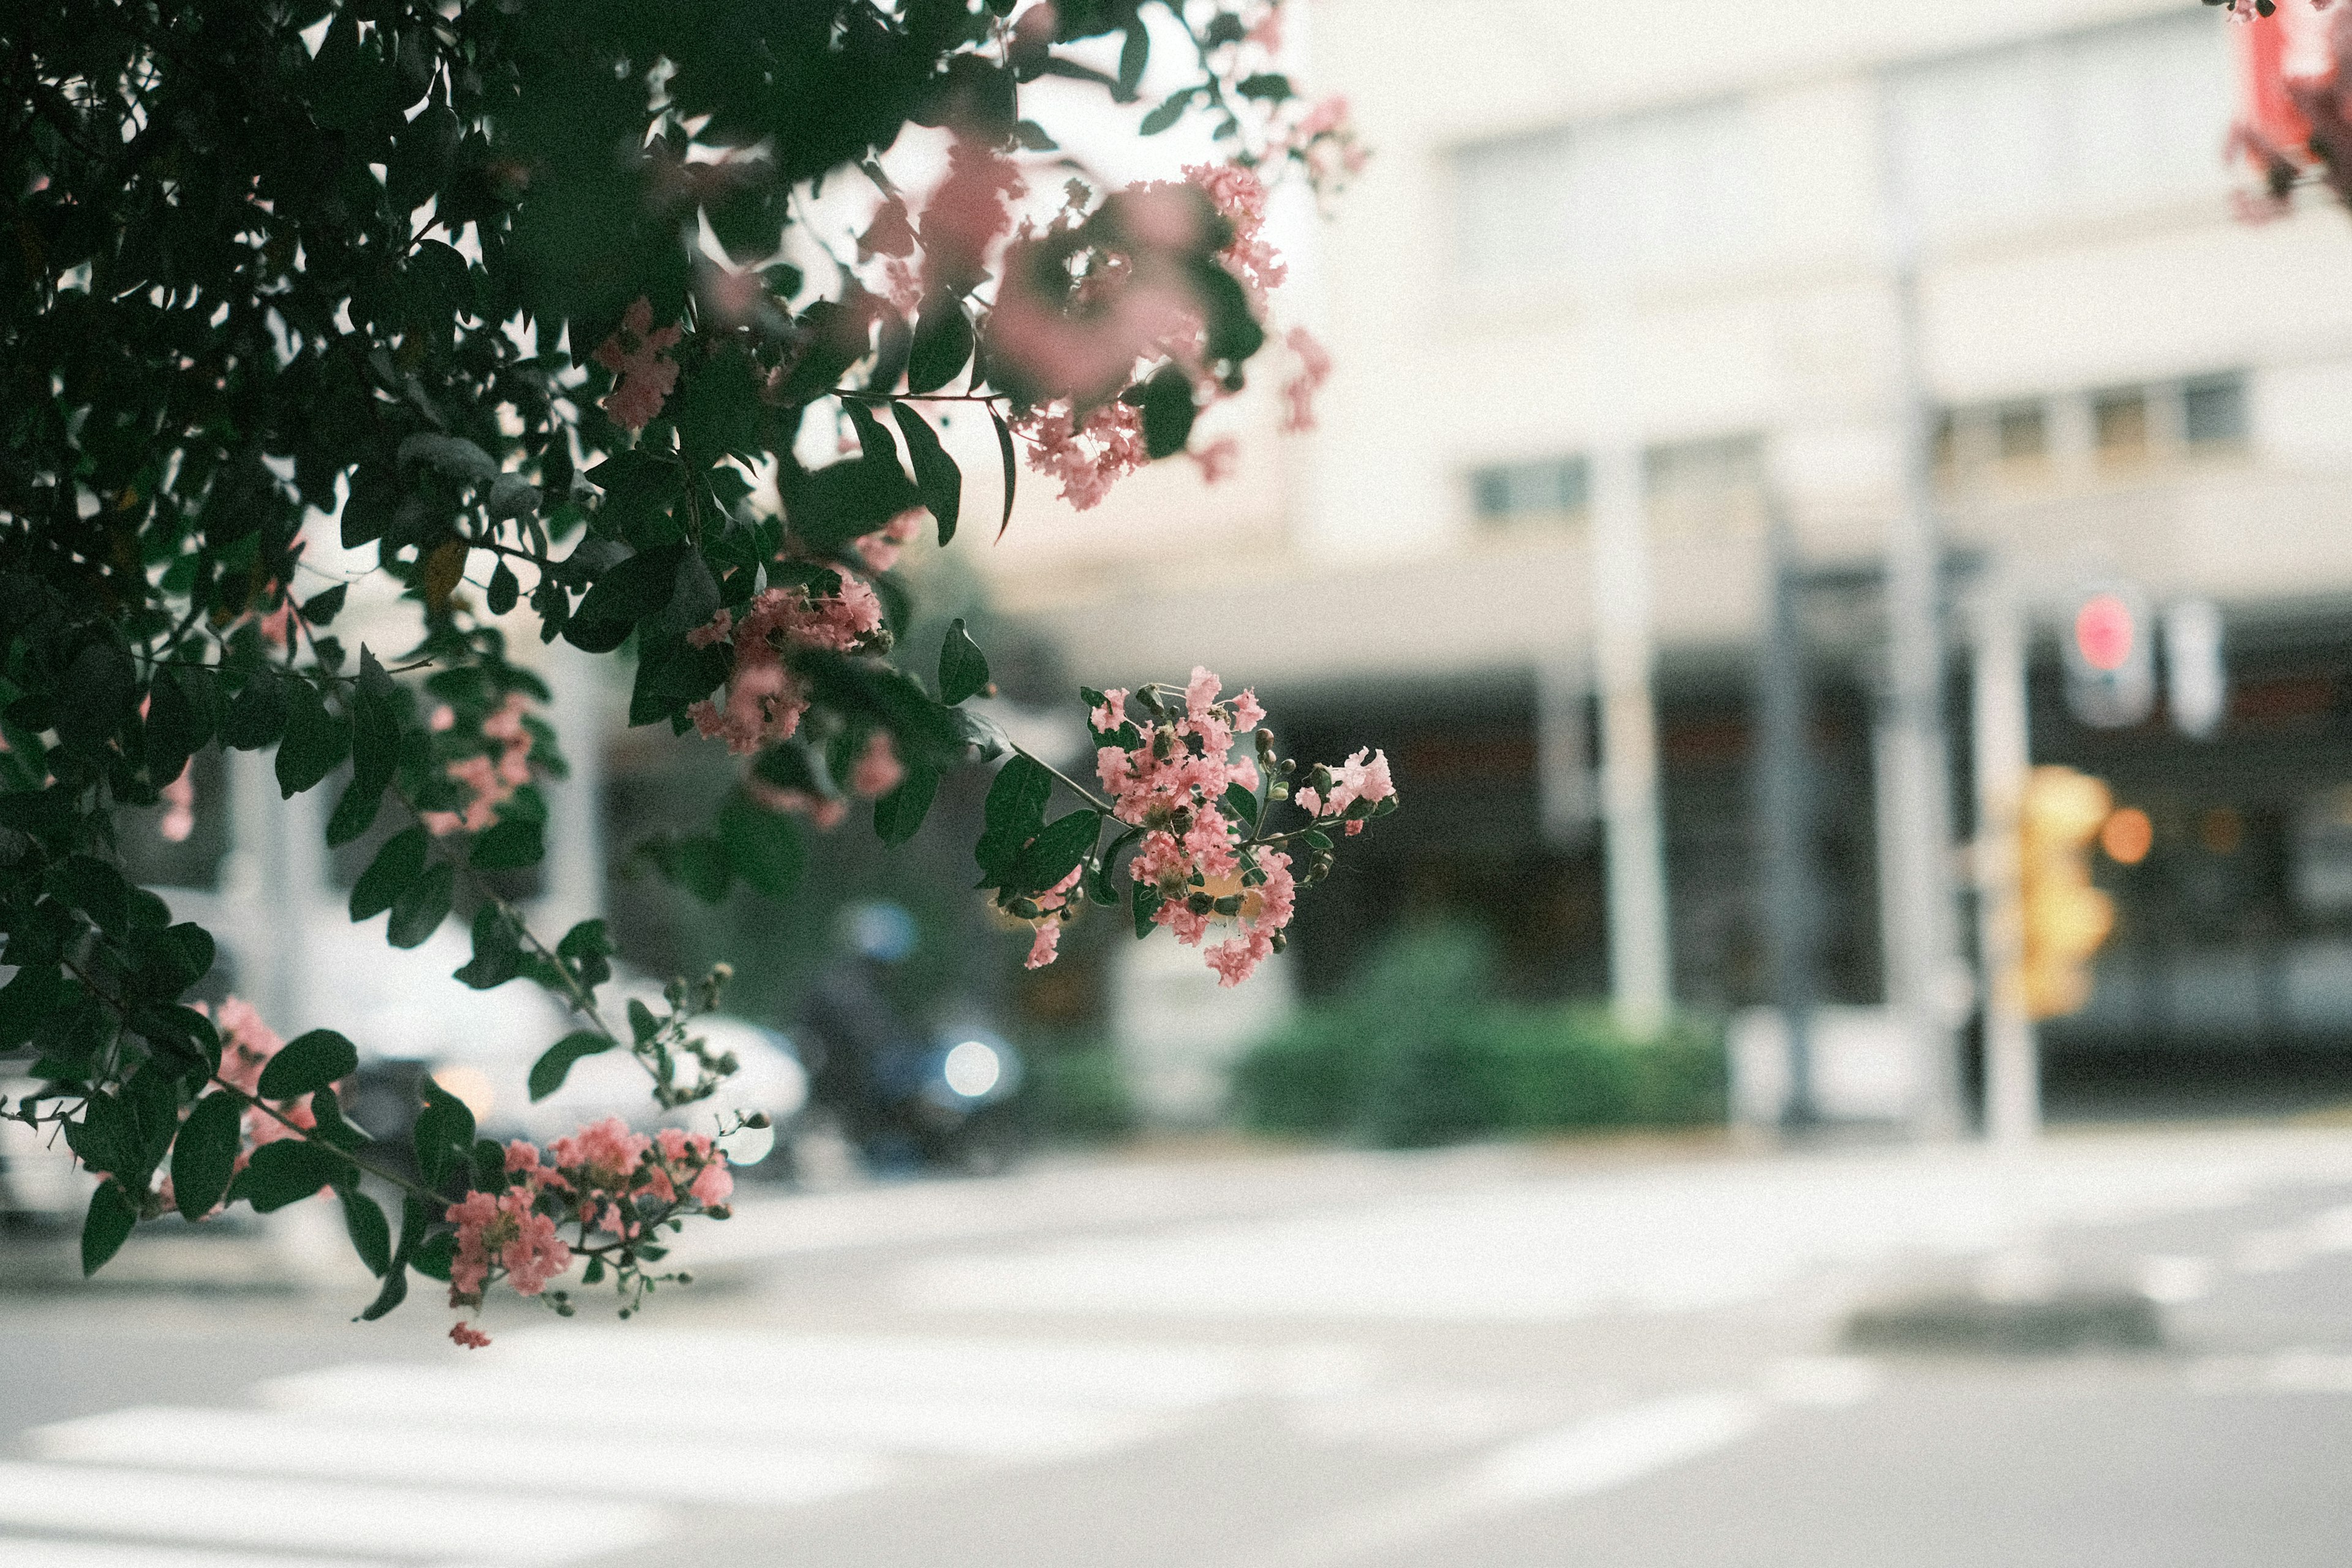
2065, 917
2110, 658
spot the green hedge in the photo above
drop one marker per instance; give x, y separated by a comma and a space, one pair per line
1418, 1053
1078, 1095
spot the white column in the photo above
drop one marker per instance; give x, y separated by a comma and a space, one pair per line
1640, 965
2012, 1062
583, 711
275, 879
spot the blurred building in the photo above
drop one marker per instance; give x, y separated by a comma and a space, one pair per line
1600, 248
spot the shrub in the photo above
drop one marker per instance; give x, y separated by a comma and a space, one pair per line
1080, 1096
1419, 1053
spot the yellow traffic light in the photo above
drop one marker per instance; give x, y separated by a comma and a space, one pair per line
2065, 917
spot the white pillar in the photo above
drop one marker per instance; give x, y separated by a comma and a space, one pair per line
1915, 810
274, 881
583, 711
2012, 1062
1641, 974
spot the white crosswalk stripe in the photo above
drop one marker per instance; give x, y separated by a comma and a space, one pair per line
536, 1452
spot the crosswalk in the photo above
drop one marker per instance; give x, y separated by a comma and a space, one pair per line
566, 1444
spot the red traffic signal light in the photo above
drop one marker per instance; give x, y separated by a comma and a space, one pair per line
2104, 632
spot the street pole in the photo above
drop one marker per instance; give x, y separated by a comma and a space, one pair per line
1640, 961
1919, 890
1784, 807
2012, 1058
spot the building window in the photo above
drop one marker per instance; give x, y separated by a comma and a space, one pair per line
2120, 424
1664, 190
1555, 489
2020, 432
2214, 411
1714, 486
2108, 119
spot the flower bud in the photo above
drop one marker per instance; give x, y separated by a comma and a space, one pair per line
757, 1118
1200, 903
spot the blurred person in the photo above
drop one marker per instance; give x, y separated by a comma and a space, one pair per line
864, 1055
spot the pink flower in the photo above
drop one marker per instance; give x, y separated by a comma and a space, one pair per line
1087, 456
1247, 714
880, 551
178, 807
606, 1152
1217, 458
713, 1184
644, 374
877, 770
466, 1334
966, 214
1239, 197
1113, 712
1298, 392
1200, 691
1041, 949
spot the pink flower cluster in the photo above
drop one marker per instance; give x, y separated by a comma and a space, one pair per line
603, 1179
881, 549
876, 773
493, 779
967, 213
1362, 779
764, 698
1172, 782
1298, 392
1054, 905
643, 373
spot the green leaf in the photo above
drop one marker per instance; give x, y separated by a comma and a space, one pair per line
174, 729
314, 742
899, 814
106, 1227
1058, 850
507, 845
963, 669
643, 1025
585, 947
943, 343
257, 715
205, 1152
1241, 805
37, 993
1171, 110
554, 1064
1016, 813
394, 871
764, 847
375, 729
1168, 411
497, 949
1268, 86
1011, 476
434, 1256
108, 1137
503, 591
421, 908
1098, 884
937, 476
100, 693
333, 1125
1133, 55
673, 674
394, 1292
1147, 904
697, 864
370, 1234
626, 593
444, 1135
841, 501
287, 1172
309, 1062
320, 609
355, 813
1033, 138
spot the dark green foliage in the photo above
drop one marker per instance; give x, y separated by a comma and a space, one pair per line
1418, 1052
221, 313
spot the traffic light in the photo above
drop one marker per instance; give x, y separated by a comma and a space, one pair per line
2110, 659
2065, 917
